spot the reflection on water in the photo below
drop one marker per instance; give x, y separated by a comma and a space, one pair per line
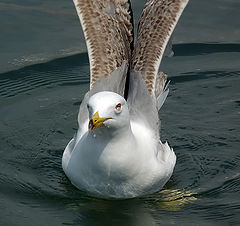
128, 212
175, 199
103, 212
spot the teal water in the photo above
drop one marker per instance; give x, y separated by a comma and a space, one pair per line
44, 76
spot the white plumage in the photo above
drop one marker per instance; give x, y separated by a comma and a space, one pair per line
119, 159
117, 152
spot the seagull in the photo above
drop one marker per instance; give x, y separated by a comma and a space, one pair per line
117, 152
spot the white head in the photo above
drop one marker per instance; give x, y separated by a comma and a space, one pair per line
108, 111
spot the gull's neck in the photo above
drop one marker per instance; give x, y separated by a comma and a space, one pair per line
105, 133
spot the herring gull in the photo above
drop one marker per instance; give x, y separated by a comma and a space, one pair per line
117, 152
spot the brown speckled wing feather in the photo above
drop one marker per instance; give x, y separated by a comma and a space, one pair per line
108, 32
156, 25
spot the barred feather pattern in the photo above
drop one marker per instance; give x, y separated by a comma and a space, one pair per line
108, 32
158, 20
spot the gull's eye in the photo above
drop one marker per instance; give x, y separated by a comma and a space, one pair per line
118, 107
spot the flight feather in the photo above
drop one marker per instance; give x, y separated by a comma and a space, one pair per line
108, 32
157, 22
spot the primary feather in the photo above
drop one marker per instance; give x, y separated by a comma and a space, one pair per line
108, 32
156, 25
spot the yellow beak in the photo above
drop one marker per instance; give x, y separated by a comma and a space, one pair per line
96, 121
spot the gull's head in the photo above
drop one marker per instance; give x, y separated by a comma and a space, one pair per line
108, 110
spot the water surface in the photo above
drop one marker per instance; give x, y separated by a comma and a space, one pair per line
44, 76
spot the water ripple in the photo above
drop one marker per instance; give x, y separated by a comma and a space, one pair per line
60, 72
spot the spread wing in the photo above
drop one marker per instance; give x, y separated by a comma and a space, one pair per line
146, 86
158, 20
107, 26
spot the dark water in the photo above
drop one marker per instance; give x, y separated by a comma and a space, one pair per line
39, 106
